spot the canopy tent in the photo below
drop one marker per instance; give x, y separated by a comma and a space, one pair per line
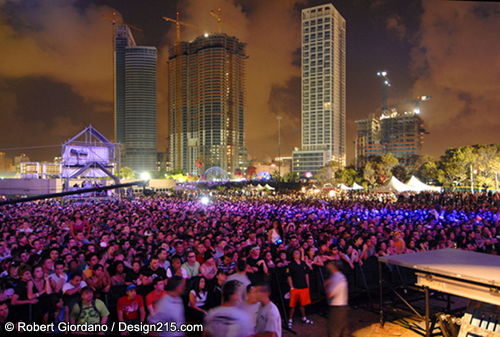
344, 187
355, 186
416, 185
394, 185
260, 187
269, 188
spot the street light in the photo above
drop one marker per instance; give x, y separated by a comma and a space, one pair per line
279, 118
472, 172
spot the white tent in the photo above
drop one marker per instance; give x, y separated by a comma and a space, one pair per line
344, 187
260, 187
418, 186
270, 188
394, 185
355, 186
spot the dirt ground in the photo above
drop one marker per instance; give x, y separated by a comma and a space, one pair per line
363, 324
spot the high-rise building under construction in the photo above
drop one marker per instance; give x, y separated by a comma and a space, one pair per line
206, 104
399, 133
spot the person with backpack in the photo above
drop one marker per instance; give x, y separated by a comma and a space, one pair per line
89, 310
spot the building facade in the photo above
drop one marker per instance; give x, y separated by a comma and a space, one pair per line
323, 89
367, 139
398, 133
123, 38
5, 162
206, 104
140, 109
135, 101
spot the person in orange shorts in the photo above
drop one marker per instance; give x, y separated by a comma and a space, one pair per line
298, 280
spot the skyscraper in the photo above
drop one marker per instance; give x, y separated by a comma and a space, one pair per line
135, 101
140, 109
323, 89
123, 39
206, 104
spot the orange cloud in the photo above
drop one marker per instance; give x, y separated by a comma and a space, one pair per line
457, 62
65, 44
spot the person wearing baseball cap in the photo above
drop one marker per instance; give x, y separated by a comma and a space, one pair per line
130, 308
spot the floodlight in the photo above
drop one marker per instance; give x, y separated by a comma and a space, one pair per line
206, 35
145, 176
204, 200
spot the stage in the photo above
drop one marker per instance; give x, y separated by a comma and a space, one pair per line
467, 274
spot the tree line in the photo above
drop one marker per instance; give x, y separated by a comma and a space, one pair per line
457, 167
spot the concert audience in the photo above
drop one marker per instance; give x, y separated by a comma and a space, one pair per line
56, 259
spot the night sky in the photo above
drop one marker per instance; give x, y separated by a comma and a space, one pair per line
56, 66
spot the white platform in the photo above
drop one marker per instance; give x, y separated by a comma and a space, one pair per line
457, 263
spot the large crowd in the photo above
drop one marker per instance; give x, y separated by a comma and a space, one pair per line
133, 260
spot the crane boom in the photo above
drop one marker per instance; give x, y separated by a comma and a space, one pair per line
217, 14
178, 86
385, 92
115, 20
182, 23
218, 18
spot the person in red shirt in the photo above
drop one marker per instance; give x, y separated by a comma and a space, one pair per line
131, 307
153, 297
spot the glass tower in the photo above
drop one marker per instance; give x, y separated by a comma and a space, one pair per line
135, 100
123, 38
140, 109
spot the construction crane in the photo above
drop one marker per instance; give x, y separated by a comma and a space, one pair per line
217, 14
115, 20
178, 24
386, 85
178, 85
416, 102
218, 18
385, 92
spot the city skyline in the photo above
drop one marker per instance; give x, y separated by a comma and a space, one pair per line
458, 71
